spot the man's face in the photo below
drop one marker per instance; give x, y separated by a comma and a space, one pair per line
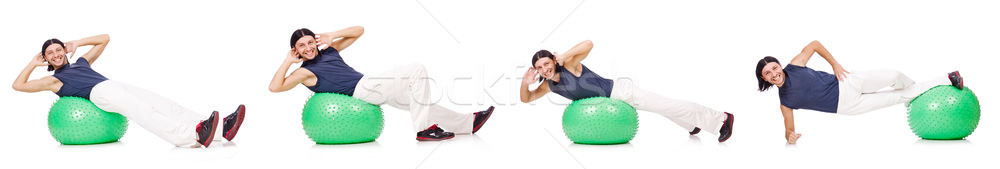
546, 67
305, 47
772, 73
55, 54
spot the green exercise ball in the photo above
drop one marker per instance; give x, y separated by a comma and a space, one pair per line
944, 113
330, 118
75, 120
600, 120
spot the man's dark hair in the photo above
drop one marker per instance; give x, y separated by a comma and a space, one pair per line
298, 34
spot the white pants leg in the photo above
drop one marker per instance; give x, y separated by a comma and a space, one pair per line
163, 117
685, 114
861, 92
408, 87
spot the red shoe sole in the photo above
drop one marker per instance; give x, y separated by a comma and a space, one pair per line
732, 121
433, 139
476, 129
239, 122
215, 125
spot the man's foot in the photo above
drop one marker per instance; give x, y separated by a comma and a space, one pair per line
206, 129
434, 133
956, 80
481, 118
231, 124
727, 128
695, 131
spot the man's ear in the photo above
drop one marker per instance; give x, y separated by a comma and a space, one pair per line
296, 50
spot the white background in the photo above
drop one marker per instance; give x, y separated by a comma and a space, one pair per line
214, 55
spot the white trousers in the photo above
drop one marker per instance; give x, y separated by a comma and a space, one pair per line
408, 88
685, 114
861, 92
163, 117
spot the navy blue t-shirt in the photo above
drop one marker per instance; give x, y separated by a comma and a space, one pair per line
588, 85
77, 79
806, 88
332, 73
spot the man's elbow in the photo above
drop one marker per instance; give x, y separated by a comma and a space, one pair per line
361, 29
356, 30
587, 43
21, 88
105, 38
16, 87
274, 89
815, 43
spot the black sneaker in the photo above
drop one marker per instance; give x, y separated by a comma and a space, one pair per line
434, 133
231, 124
695, 131
956, 80
481, 118
727, 128
206, 129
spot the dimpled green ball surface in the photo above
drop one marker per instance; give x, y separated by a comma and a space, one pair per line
600, 120
75, 121
944, 113
330, 118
